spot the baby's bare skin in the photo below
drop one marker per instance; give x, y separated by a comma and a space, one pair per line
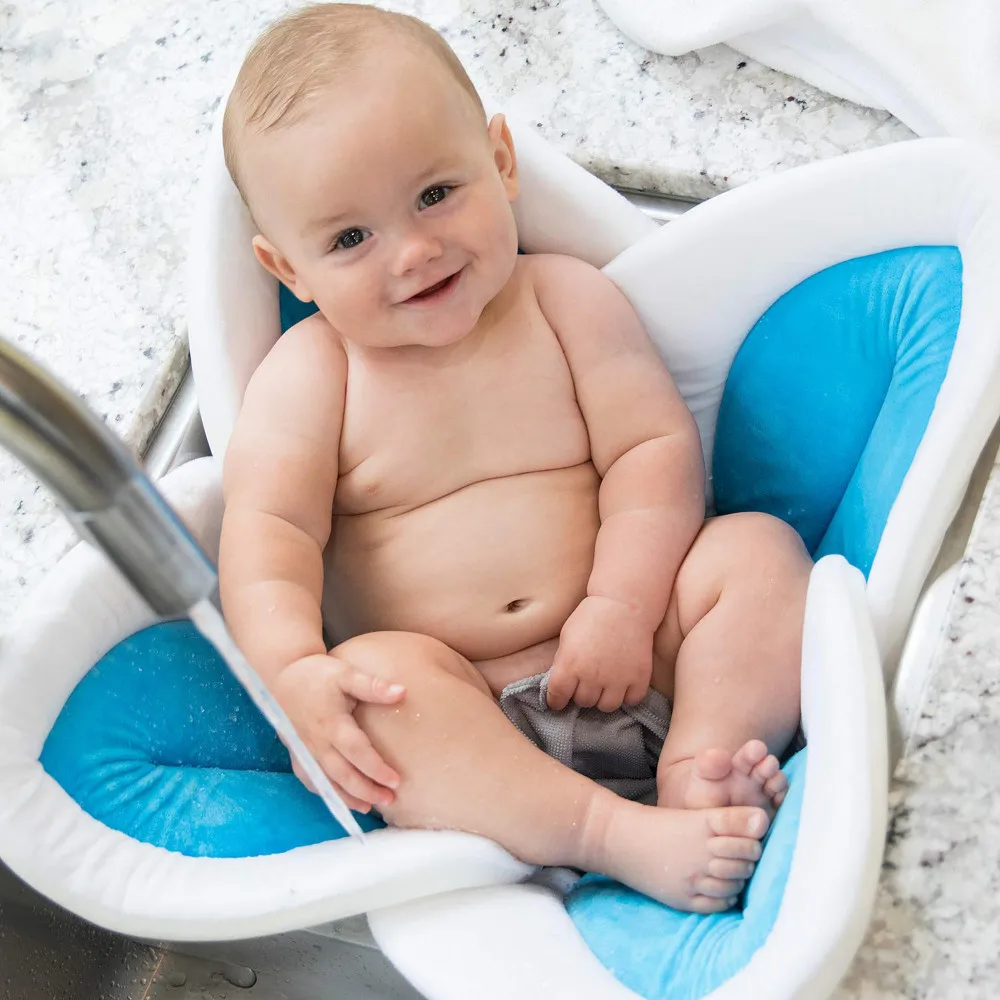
467, 508
477, 465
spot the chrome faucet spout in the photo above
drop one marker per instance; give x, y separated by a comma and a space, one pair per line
106, 496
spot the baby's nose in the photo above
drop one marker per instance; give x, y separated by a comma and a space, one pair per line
415, 250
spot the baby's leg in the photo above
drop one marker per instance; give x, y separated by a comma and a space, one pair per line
463, 766
728, 654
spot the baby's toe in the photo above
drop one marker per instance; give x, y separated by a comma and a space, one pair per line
730, 868
766, 769
719, 888
736, 848
775, 786
707, 904
738, 821
713, 765
749, 756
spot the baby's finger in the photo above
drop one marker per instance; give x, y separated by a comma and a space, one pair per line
364, 687
587, 694
635, 693
611, 699
352, 781
562, 688
351, 741
354, 804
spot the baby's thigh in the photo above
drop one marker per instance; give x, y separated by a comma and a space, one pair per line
753, 567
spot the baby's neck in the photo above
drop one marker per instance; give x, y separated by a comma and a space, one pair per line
420, 355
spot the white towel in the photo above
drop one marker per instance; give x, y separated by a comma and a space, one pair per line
935, 64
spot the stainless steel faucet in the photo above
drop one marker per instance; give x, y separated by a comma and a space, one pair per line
106, 496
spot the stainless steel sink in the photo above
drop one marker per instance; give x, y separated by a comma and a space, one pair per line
49, 954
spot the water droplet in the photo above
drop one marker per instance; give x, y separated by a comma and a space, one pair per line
237, 975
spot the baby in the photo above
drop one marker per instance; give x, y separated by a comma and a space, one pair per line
477, 466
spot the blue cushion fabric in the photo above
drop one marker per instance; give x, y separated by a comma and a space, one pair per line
830, 394
659, 952
160, 742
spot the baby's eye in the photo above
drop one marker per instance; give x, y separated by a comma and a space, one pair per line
349, 239
433, 195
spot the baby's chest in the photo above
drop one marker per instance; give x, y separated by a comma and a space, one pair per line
414, 435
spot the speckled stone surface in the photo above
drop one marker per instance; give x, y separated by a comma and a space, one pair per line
105, 107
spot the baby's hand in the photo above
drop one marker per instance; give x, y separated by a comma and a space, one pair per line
605, 657
319, 693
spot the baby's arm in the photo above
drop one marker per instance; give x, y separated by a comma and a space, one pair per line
279, 481
644, 443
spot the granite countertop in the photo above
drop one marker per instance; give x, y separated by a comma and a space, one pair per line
105, 109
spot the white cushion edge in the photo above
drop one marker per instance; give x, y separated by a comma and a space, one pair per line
123, 885
964, 415
561, 208
232, 302
835, 868
493, 944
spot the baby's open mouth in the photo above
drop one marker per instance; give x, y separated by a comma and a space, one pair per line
437, 290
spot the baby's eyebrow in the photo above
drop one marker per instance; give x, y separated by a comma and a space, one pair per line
326, 222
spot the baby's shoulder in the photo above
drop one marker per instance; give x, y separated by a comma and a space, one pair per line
307, 359
554, 272
311, 344
568, 289
556, 265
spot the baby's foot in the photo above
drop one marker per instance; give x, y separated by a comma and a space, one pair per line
749, 777
696, 860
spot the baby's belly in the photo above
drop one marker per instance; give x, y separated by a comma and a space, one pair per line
489, 570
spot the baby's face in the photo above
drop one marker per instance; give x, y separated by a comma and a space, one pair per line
389, 204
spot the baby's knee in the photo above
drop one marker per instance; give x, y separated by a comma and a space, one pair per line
760, 544
407, 658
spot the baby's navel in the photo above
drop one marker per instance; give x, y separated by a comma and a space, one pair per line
519, 605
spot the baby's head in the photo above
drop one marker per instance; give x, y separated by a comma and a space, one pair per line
380, 192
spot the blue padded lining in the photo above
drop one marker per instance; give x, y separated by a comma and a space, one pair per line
823, 410
160, 742
830, 394
292, 310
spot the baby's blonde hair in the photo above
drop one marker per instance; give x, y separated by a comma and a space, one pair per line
303, 53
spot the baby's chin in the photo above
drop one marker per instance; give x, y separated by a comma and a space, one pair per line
441, 335
427, 334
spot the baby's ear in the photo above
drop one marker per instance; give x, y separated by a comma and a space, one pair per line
503, 154
271, 259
